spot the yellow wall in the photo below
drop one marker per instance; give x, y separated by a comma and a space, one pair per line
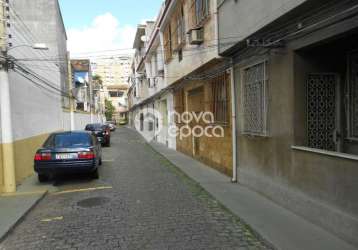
1, 173
24, 156
215, 152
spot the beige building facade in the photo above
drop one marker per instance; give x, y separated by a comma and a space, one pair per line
114, 73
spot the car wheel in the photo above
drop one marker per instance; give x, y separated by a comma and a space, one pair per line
42, 178
95, 174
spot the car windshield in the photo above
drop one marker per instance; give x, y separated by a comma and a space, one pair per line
93, 127
69, 140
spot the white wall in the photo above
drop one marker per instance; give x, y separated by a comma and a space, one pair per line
35, 111
36, 105
81, 120
240, 19
164, 136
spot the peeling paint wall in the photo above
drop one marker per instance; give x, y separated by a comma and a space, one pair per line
213, 151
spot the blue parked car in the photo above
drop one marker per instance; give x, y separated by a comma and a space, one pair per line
68, 153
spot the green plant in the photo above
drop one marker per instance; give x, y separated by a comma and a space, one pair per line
109, 110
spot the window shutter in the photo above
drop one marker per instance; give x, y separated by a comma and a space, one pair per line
192, 15
167, 44
174, 30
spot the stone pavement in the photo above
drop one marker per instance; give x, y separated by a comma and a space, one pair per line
141, 201
14, 206
281, 227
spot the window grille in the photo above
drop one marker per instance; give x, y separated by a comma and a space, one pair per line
254, 83
220, 99
353, 96
321, 111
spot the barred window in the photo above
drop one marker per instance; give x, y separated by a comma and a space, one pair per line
254, 81
220, 98
353, 96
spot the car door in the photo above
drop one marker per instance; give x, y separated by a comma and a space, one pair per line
97, 147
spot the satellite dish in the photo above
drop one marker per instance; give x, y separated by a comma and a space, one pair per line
144, 38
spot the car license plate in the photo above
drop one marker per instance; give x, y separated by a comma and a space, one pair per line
68, 156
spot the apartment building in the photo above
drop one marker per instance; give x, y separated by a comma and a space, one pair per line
82, 88
295, 71
176, 72
114, 73
200, 80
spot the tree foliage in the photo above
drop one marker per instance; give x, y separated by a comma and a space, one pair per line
109, 110
98, 79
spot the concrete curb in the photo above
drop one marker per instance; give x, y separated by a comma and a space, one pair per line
18, 220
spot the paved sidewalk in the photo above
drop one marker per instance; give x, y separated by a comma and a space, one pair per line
284, 229
14, 206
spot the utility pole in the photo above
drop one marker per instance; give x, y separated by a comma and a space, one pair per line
7, 140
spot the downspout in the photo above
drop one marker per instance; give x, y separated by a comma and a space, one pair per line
233, 99
233, 124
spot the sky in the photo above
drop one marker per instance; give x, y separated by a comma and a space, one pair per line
98, 25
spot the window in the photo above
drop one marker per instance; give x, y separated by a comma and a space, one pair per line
180, 26
68, 140
353, 96
202, 10
168, 47
254, 103
220, 99
179, 103
116, 93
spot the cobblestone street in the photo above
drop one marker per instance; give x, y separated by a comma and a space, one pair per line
141, 201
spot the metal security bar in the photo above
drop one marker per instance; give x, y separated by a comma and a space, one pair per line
254, 81
220, 98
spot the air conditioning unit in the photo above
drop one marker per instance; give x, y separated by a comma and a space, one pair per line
196, 36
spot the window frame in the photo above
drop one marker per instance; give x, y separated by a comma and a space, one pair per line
218, 105
181, 34
265, 111
204, 12
168, 44
349, 107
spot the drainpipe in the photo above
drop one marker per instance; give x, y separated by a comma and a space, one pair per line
233, 124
